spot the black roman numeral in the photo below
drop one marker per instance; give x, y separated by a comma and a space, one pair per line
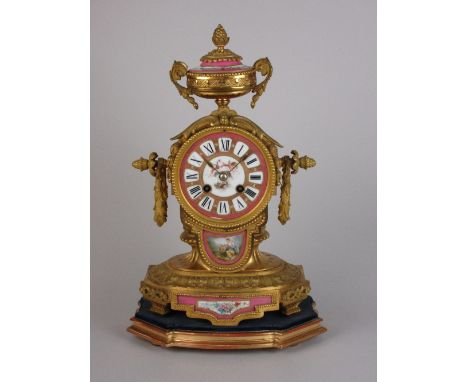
223, 207
250, 192
195, 191
209, 148
240, 149
253, 160
225, 143
240, 204
194, 176
195, 160
206, 203
255, 177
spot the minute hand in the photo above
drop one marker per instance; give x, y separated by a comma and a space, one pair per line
241, 160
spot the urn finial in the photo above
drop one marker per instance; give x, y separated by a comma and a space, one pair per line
220, 54
220, 37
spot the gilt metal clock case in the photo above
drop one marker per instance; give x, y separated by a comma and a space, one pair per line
223, 170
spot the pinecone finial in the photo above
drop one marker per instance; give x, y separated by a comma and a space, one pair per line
220, 37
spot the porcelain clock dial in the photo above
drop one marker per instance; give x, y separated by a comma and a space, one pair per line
224, 175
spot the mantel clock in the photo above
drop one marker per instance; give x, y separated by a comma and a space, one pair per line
223, 170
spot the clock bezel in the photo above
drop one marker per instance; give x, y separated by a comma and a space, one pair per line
223, 222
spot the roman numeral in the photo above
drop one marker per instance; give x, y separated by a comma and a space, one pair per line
195, 191
224, 143
206, 203
240, 149
256, 177
251, 193
223, 208
252, 161
208, 148
195, 159
190, 175
239, 203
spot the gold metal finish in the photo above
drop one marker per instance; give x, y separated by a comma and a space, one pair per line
303, 162
159, 299
256, 272
157, 168
143, 164
221, 82
224, 116
220, 39
279, 339
290, 165
179, 70
265, 275
266, 281
292, 298
255, 232
263, 66
160, 193
212, 223
285, 198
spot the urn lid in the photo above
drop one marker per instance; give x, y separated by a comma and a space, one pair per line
220, 59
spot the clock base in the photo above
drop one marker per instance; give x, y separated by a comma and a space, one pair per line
273, 330
225, 299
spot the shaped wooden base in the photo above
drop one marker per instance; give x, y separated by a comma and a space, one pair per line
226, 340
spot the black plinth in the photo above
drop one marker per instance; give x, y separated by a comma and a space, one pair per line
177, 320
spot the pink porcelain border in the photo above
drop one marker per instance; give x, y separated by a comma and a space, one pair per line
254, 302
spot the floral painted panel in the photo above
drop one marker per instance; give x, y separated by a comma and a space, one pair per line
223, 307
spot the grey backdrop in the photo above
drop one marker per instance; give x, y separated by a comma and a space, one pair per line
321, 101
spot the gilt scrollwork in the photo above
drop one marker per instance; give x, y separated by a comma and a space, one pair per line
158, 298
291, 299
179, 70
263, 66
166, 275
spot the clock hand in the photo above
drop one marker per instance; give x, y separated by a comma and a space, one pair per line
210, 165
241, 160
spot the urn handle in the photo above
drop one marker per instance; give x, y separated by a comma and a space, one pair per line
179, 70
263, 66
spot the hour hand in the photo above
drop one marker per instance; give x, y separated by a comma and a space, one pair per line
210, 165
